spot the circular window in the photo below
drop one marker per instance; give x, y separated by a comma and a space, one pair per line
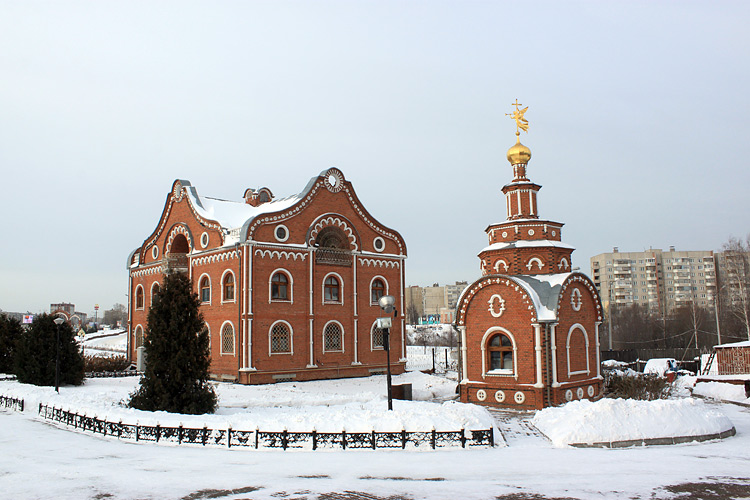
499, 396
554, 233
531, 232
379, 244
334, 180
590, 390
481, 395
204, 240
155, 252
519, 397
579, 392
281, 233
505, 234
569, 395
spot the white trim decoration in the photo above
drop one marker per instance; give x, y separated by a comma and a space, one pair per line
341, 289
204, 239
573, 328
501, 307
278, 254
234, 295
341, 332
221, 339
385, 282
378, 244
282, 227
290, 286
498, 373
210, 289
143, 292
291, 338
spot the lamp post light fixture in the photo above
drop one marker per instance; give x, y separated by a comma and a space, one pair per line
58, 321
387, 304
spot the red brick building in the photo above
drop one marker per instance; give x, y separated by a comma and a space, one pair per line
529, 326
288, 286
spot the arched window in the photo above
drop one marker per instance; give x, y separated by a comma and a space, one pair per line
155, 288
500, 353
227, 338
205, 289
331, 289
227, 287
139, 336
280, 286
333, 337
377, 337
377, 290
280, 338
139, 297
577, 349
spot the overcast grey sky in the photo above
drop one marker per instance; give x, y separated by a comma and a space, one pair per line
638, 118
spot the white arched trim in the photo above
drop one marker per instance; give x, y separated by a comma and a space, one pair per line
210, 290
138, 328
290, 285
291, 338
563, 264
533, 260
153, 285
341, 329
372, 337
501, 262
573, 328
385, 282
341, 289
221, 339
143, 294
499, 373
234, 296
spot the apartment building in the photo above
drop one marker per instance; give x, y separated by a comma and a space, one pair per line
436, 303
661, 281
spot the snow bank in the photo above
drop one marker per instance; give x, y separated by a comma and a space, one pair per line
721, 391
609, 420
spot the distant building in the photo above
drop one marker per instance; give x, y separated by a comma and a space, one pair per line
434, 304
658, 280
68, 311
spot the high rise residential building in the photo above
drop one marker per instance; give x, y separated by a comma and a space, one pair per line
436, 303
659, 280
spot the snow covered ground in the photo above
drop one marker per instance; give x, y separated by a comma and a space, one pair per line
43, 461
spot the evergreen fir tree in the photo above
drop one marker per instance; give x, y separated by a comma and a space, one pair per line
35, 354
177, 353
10, 332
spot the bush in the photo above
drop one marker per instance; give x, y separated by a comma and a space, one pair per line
34, 359
640, 386
98, 364
10, 332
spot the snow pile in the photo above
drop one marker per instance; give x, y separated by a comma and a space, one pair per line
609, 420
354, 405
721, 391
659, 366
615, 367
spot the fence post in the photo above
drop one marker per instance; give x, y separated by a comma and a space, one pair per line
229, 437
22, 402
343, 439
433, 439
158, 432
257, 437
137, 428
315, 439
284, 439
373, 439
463, 438
403, 439
119, 430
203, 437
492, 437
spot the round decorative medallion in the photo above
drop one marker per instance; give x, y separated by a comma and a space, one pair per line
590, 391
519, 397
378, 244
505, 234
155, 252
281, 233
579, 392
204, 240
568, 395
334, 180
177, 191
496, 310
481, 395
499, 396
531, 232
554, 233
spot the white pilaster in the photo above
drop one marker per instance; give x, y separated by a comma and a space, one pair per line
553, 341
464, 363
538, 349
598, 351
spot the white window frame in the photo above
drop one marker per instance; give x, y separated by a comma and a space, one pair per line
143, 291
372, 338
587, 371
341, 327
234, 298
291, 339
341, 289
221, 339
385, 281
290, 286
210, 289
502, 372
151, 298
135, 335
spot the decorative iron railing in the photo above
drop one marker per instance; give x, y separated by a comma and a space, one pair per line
333, 256
264, 439
11, 403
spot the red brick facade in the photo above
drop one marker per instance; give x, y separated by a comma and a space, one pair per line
529, 327
286, 285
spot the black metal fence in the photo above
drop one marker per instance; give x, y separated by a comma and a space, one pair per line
11, 403
265, 439
124, 373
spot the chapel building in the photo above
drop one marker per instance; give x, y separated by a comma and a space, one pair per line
530, 325
288, 287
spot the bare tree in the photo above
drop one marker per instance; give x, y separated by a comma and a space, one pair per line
736, 280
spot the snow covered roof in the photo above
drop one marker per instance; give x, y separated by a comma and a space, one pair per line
527, 244
544, 290
744, 343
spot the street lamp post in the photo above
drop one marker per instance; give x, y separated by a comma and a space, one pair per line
58, 321
386, 303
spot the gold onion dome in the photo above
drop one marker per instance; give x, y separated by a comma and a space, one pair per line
519, 153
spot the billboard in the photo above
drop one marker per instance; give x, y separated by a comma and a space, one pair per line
28, 319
